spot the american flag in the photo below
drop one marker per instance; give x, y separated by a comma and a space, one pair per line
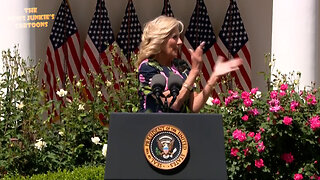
166, 10
95, 54
199, 30
234, 41
129, 36
62, 53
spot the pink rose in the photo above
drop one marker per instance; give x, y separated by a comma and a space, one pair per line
275, 108
251, 134
227, 100
284, 87
254, 111
274, 102
287, 120
234, 152
259, 163
273, 94
234, 95
245, 95
298, 177
247, 102
287, 157
314, 123
311, 99
257, 137
274, 105
314, 177
216, 101
245, 117
254, 90
282, 93
238, 134
293, 105
260, 147
246, 151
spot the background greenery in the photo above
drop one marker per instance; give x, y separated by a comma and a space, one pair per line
37, 136
80, 173
271, 135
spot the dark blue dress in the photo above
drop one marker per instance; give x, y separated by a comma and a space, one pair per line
147, 69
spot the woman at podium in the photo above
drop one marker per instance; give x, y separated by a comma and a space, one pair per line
158, 68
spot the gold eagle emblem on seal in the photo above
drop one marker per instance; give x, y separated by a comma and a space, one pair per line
165, 147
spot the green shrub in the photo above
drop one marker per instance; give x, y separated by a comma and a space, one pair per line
21, 110
80, 173
37, 136
271, 135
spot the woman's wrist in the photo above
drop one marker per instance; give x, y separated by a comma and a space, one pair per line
213, 78
214, 75
194, 72
212, 81
187, 86
211, 86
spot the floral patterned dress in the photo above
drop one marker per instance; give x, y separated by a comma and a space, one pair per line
147, 69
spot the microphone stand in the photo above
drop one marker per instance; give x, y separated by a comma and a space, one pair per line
165, 104
172, 100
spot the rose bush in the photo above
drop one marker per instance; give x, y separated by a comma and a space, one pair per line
272, 135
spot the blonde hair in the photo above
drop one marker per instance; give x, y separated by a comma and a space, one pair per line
155, 33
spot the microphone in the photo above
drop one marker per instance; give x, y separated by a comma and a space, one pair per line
158, 83
174, 84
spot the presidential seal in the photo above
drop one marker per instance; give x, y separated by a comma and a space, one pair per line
165, 147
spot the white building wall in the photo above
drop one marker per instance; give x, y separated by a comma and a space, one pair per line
11, 13
256, 15
295, 42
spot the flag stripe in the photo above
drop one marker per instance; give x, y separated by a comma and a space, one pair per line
246, 54
245, 69
93, 58
62, 55
95, 54
129, 36
48, 78
75, 65
234, 40
200, 30
56, 56
185, 53
69, 68
52, 73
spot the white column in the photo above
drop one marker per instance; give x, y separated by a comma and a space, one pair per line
12, 15
295, 35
